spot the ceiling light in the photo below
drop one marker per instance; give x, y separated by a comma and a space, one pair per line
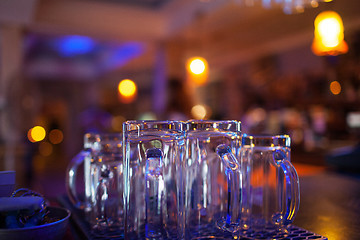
329, 34
288, 6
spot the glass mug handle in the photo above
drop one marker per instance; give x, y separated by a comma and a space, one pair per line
71, 174
292, 191
154, 182
232, 171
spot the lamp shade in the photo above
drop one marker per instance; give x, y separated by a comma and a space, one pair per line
329, 35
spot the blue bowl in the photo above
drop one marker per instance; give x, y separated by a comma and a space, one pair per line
49, 231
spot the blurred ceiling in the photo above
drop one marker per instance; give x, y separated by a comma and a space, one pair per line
139, 3
224, 31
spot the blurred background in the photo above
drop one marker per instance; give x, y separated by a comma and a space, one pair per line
75, 66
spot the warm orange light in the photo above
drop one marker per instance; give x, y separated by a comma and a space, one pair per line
335, 87
56, 136
127, 90
197, 68
329, 34
36, 134
314, 4
198, 111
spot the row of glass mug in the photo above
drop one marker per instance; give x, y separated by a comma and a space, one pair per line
186, 180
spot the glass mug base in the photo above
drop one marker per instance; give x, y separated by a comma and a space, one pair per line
264, 232
106, 232
171, 232
208, 231
229, 227
215, 227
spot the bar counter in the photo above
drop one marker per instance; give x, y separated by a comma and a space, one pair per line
329, 203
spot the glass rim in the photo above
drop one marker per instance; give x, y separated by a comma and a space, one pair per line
266, 140
225, 125
138, 125
268, 136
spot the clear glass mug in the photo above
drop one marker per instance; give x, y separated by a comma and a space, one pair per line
153, 153
270, 186
212, 184
94, 144
107, 213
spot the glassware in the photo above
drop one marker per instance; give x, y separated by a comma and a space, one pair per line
103, 183
107, 214
94, 144
91, 141
270, 186
212, 184
153, 154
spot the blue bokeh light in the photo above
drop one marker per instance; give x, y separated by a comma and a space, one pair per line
75, 45
123, 53
104, 55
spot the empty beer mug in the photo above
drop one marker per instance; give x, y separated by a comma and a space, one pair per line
107, 213
94, 144
212, 184
270, 186
153, 154
103, 183
84, 157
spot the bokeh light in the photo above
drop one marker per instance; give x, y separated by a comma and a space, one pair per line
36, 134
329, 29
197, 69
147, 116
56, 136
335, 87
329, 34
198, 111
197, 66
45, 149
127, 88
74, 45
353, 119
314, 4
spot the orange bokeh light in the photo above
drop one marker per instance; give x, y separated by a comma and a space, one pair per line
56, 136
36, 134
329, 34
127, 90
197, 68
335, 87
